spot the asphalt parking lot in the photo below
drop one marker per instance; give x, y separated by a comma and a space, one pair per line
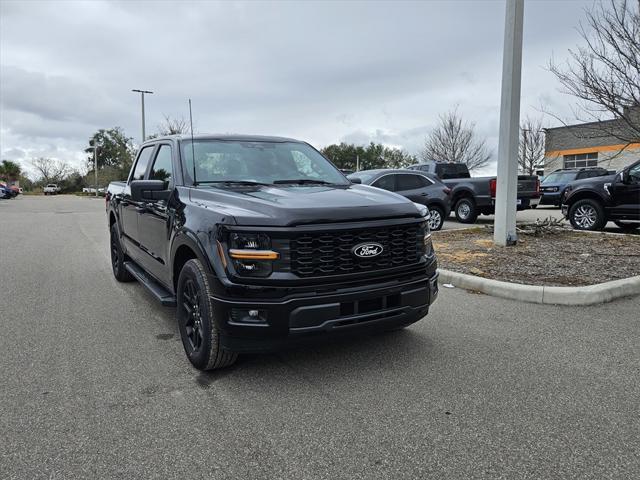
95, 383
542, 212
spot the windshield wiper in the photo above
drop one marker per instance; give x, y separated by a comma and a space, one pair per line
234, 182
302, 181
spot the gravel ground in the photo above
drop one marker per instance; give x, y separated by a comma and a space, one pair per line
564, 259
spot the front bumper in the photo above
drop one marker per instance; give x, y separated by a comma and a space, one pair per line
551, 198
302, 317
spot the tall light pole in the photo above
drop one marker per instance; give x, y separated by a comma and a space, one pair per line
95, 166
142, 92
504, 232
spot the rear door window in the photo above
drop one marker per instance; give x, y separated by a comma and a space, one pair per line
142, 163
410, 182
162, 166
387, 183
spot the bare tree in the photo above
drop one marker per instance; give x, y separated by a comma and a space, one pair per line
455, 141
51, 170
604, 73
531, 148
173, 126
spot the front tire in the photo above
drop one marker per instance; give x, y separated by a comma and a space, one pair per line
587, 214
118, 258
627, 227
466, 211
194, 313
437, 218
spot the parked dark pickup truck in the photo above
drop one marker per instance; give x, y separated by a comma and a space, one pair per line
473, 196
590, 203
262, 241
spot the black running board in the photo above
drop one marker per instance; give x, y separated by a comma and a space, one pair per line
158, 291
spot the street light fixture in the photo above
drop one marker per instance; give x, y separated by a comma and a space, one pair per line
142, 92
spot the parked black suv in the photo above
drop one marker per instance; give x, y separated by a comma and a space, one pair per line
553, 186
589, 204
262, 241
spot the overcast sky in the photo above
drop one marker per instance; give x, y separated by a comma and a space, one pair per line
324, 72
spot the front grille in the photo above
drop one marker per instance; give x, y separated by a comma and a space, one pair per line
330, 253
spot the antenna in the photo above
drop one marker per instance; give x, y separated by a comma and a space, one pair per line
193, 154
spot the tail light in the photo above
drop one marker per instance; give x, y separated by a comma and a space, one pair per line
446, 190
537, 185
492, 187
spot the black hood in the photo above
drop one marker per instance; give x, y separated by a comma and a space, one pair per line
289, 205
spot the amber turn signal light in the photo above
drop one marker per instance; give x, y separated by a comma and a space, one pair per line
239, 254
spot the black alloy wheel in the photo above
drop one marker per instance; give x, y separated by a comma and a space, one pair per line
118, 257
194, 314
193, 318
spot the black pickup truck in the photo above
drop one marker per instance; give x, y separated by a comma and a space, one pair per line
471, 196
262, 241
590, 203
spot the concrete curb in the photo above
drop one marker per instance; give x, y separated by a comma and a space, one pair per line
588, 295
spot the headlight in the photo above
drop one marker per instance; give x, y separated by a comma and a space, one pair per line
424, 211
251, 254
428, 245
566, 193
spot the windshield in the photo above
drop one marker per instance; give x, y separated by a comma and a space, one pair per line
559, 177
219, 161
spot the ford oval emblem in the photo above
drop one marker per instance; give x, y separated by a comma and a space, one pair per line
367, 250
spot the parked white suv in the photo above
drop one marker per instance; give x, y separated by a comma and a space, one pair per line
51, 189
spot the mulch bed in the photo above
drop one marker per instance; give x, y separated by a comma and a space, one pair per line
566, 258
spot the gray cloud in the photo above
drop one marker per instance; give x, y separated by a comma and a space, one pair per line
320, 71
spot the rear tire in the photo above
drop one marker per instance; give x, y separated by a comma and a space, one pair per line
466, 211
198, 328
627, 227
118, 258
587, 214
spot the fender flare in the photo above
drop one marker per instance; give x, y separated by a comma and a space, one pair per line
189, 239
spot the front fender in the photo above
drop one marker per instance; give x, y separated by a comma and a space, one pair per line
204, 253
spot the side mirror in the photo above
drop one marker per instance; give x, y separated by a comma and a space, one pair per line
149, 190
355, 180
625, 177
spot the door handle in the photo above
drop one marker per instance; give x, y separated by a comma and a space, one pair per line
142, 209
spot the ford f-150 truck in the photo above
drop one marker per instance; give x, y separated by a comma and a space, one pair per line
592, 202
261, 241
471, 196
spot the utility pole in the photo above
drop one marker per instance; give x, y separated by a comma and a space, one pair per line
357, 163
95, 167
142, 92
504, 232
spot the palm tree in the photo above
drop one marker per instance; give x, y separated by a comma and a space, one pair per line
9, 170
